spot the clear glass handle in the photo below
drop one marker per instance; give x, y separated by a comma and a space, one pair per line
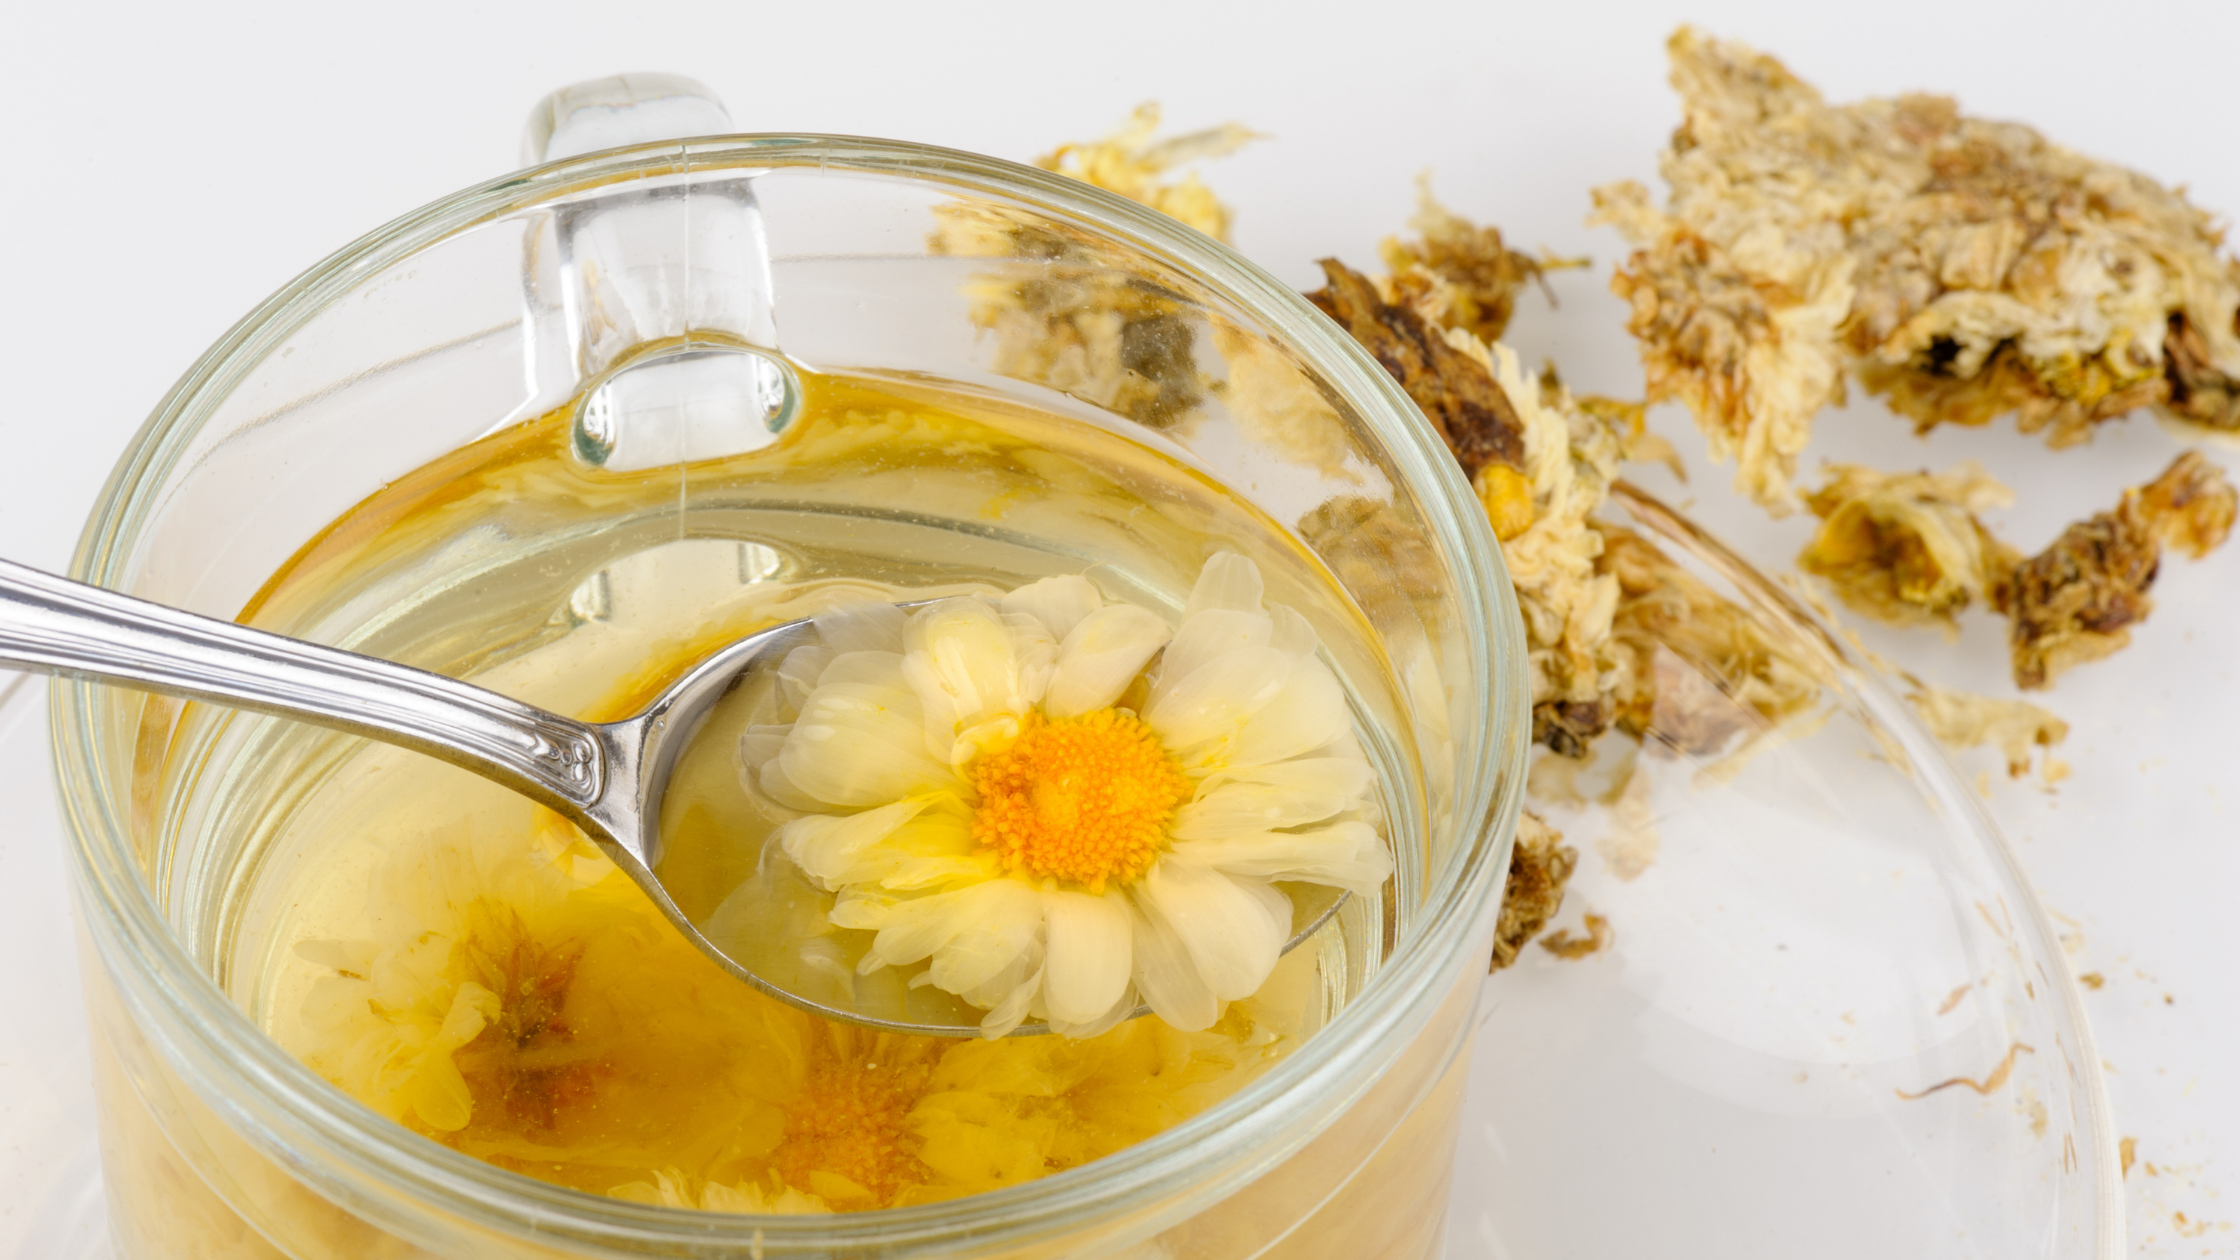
618, 110
651, 304
54, 625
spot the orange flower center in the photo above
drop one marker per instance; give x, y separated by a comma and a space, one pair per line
1086, 799
848, 1137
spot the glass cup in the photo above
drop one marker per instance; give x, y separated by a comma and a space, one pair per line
665, 291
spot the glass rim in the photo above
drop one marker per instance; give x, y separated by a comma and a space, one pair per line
1201, 1154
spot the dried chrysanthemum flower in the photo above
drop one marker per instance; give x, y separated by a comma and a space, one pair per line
1541, 465
1906, 547
1129, 162
1068, 312
1554, 561
2076, 600
1962, 268
2017, 728
1753, 362
1539, 867
1459, 274
2189, 507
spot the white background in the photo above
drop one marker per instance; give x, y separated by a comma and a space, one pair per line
170, 165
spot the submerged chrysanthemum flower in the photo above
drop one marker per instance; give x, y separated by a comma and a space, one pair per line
1065, 806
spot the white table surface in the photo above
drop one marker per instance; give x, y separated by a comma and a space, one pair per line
170, 165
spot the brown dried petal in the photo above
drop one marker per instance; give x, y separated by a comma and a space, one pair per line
2200, 394
1571, 948
1567, 727
2076, 601
1539, 868
1455, 391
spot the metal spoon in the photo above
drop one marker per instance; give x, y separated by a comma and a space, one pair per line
606, 777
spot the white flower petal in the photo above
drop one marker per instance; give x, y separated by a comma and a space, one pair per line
1009, 996
932, 848
1034, 654
1207, 637
1243, 809
1292, 634
1217, 701
758, 749
775, 785
1345, 772
1308, 712
1087, 965
996, 923
973, 741
1233, 929
760, 743
1120, 1010
971, 934
798, 674
1343, 855
869, 910
916, 873
1228, 581
959, 661
871, 626
1165, 975
877, 669
1059, 603
860, 741
826, 846
1101, 657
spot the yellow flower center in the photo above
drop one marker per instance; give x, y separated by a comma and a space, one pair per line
1086, 799
848, 1137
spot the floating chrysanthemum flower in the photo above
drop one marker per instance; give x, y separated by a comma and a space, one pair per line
1065, 806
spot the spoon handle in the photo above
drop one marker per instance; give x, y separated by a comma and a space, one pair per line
57, 626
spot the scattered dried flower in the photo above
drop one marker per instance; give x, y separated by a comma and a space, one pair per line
1964, 269
2076, 600
1071, 314
1539, 867
1985, 1086
1564, 945
1907, 548
1458, 274
2016, 728
1129, 162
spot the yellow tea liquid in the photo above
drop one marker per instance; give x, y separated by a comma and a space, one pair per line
466, 964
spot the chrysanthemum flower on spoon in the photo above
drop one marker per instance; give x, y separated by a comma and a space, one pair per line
1064, 804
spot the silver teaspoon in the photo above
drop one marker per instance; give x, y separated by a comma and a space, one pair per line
606, 777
